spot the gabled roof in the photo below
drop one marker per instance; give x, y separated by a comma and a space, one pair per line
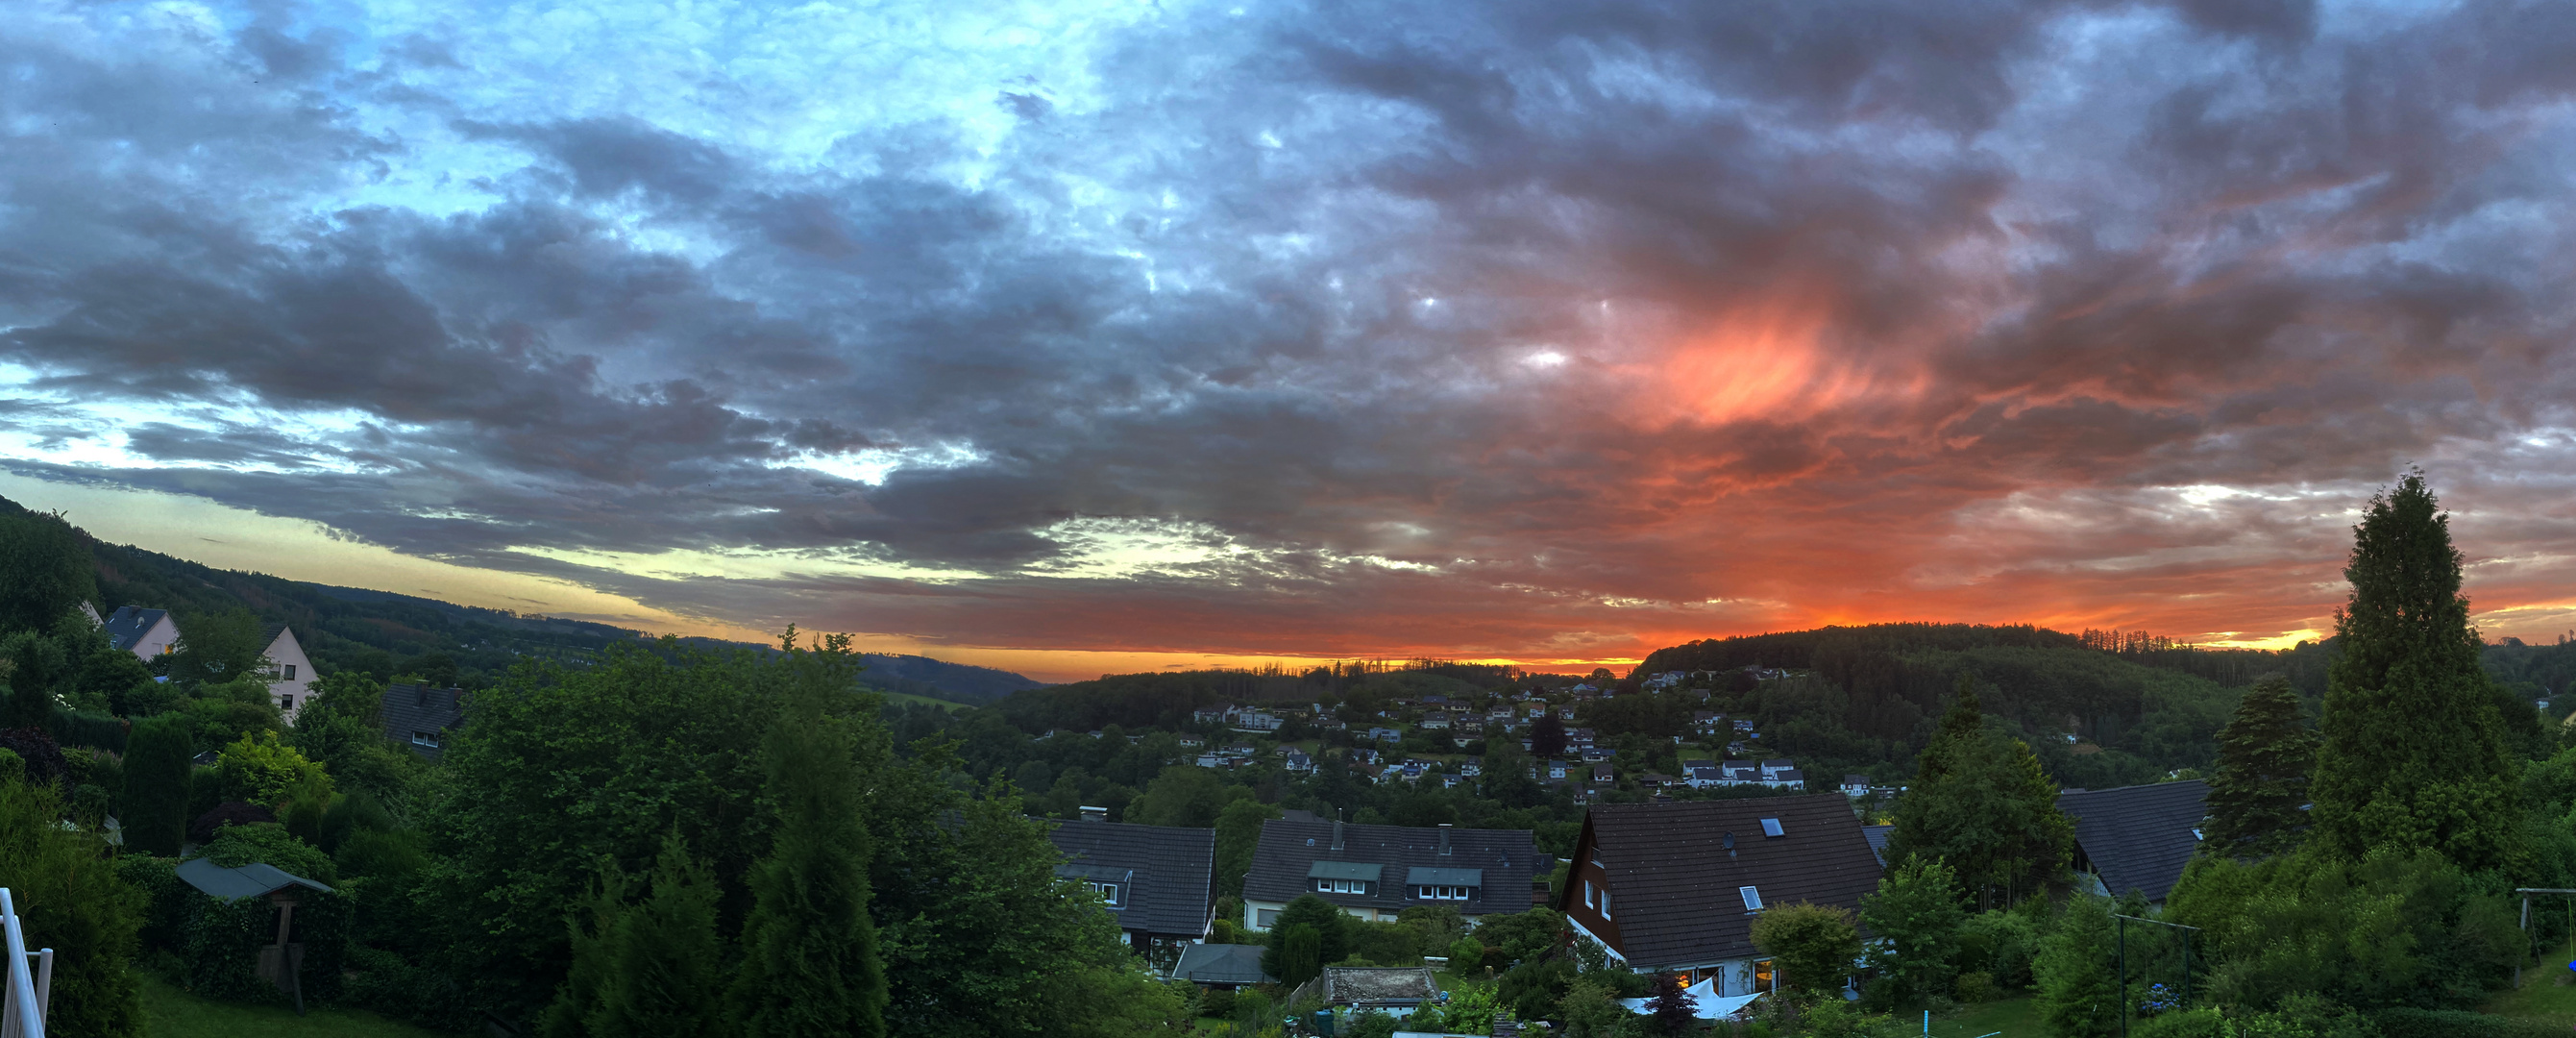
128, 624
1284, 863
1878, 839
252, 880
2138, 837
1169, 872
1221, 964
1678, 887
421, 708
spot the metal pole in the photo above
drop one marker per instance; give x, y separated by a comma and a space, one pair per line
2124, 977
2186, 969
2526, 940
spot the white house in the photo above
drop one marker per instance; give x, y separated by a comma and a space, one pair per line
289, 673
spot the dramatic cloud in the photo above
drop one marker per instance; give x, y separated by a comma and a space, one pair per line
1511, 329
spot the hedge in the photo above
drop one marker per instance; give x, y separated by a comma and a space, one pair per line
80, 728
2458, 1023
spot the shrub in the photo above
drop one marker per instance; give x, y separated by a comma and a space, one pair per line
2404, 1022
35, 748
230, 813
2189, 1023
1977, 986
260, 769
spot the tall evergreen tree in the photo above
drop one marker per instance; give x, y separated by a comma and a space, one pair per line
2413, 755
1981, 803
2258, 797
2079, 991
810, 964
663, 973
157, 773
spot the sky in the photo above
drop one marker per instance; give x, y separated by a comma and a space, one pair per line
1091, 337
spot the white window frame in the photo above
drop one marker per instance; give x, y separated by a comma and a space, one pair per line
429, 739
1590, 895
1441, 893
1108, 892
1752, 898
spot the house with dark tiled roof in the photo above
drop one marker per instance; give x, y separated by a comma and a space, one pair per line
1158, 880
1676, 886
2136, 837
1377, 871
420, 716
147, 633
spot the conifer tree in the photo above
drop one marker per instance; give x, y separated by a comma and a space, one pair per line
1547, 736
157, 773
2259, 795
1326, 920
2079, 992
810, 964
664, 964
1981, 803
2413, 754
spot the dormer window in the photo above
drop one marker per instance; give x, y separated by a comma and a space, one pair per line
1341, 886
429, 739
1108, 893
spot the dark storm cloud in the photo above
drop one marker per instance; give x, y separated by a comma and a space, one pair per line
1501, 330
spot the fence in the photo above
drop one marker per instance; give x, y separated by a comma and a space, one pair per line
31, 978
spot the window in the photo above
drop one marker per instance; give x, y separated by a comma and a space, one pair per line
290, 672
1444, 893
1108, 892
1265, 918
1341, 886
1752, 898
1763, 978
429, 739
1589, 900
1771, 827
286, 703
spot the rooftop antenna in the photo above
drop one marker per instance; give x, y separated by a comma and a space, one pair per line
1730, 845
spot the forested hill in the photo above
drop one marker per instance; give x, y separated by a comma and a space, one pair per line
385, 634
2139, 708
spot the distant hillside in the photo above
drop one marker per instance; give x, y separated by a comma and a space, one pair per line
384, 633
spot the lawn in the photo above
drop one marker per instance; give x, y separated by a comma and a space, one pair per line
2548, 992
2015, 1017
171, 1013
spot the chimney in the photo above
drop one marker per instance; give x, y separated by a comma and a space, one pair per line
1444, 839
1094, 814
1337, 835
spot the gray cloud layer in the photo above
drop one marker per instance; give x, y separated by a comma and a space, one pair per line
1510, 328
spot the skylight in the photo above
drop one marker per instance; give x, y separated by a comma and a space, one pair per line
1771, 827
1752, 898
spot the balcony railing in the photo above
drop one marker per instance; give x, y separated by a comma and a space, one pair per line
31, 978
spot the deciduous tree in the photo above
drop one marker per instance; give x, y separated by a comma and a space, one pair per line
1814, 946
2079, 991
1981, 804
1918, 911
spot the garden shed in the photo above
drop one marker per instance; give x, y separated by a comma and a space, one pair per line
280, 961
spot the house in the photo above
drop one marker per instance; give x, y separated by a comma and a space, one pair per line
1601, 775
1222, 967
147, 633
1211, 760
1298, 763
1241, 749
1855, 786
1436, 719
1877, 835
1706, 722
1676, 886
2136, 837
1377, 871
1472, 766
421, 716
289, 673
1158, 880
1385, 735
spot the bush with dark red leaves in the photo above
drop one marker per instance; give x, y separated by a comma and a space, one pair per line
36, 747
232, 812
